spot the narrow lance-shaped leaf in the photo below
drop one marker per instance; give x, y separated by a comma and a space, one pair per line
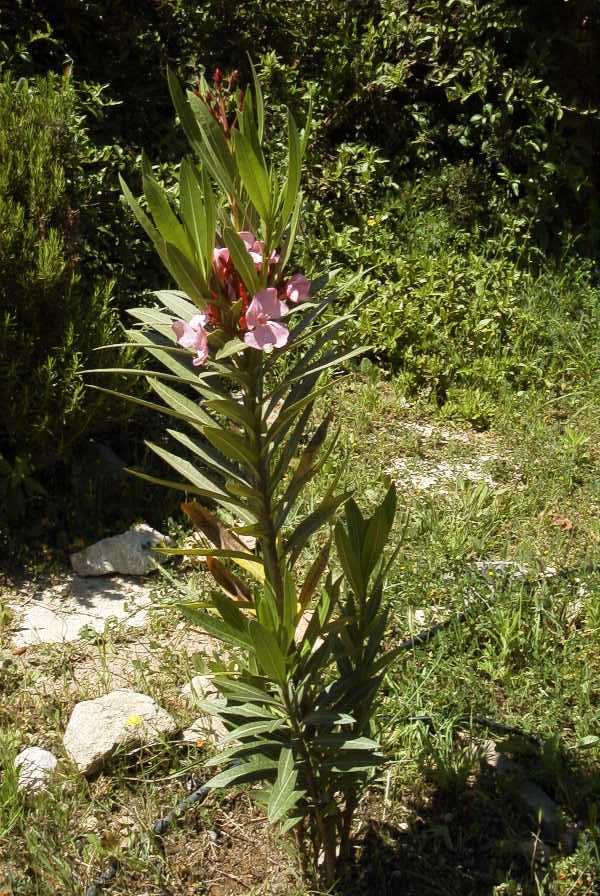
283, 798
167, 222
268, 651
256, 768
313, 522
254, 176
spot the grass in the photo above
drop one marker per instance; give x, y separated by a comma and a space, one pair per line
437, 820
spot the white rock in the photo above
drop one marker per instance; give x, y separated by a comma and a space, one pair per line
58, 614
200, 687
122, 718
207, 727
128, 554
36, 767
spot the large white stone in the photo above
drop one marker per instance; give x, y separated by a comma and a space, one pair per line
58, 614
122, 718
36, 767
129, 553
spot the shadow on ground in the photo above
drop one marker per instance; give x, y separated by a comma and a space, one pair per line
485, 841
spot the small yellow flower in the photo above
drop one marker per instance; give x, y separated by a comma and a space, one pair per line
371, 222
134, 721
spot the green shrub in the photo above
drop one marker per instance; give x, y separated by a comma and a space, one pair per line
50, 320
461, 317
508, 87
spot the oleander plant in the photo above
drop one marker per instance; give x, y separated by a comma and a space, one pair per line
243, 349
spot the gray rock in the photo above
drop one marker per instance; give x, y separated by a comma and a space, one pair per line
200, 687
122, 718
36, 767
58, 614
128, 554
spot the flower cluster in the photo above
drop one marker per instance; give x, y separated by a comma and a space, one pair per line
259, 321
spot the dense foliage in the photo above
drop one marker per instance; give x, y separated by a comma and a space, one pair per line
451, 143
50, 320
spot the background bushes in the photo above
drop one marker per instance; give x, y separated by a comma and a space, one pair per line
454, 162
50, 319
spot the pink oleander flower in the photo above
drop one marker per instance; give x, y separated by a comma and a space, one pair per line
264, 331
256, 249
193, 335
297, 288
220, 262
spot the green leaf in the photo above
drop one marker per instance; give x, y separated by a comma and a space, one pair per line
260, 106
268, 651
166, 483
350, 764
378, 530
294, 170
233, 347
256, 768
216, 627
214, 149
139, 213
237, 689
207, 454
290, 823
326, 717
254, 176
167, 222
333, 359
291, 446
291, 237
180, 403
311, 524
283, 797
290, 605
313, 576
341, 741
232, 445
188, 122
251, 729
241, 259
235, 411
142, 402
189, 471
188, 276
349, 559
192, 212
176, 302
245, 750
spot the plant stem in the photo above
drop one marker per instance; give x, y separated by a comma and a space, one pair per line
269, 541
314, 793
